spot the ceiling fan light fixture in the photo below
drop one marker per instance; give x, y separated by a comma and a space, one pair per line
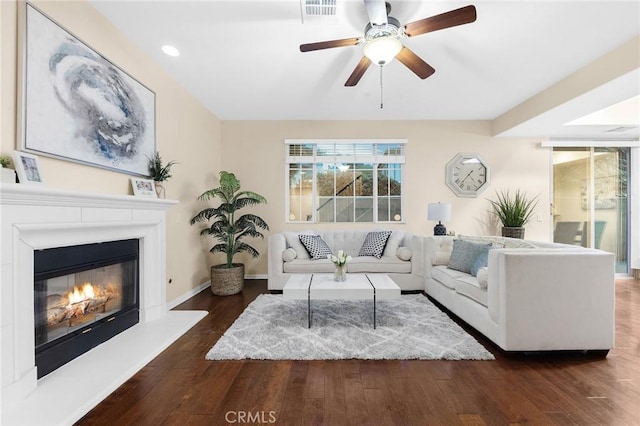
382, 50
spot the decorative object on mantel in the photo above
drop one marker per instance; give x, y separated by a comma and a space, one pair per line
439, 211
143, 188
78, 106
229, 230
340, 261
160, 173
513, 212
8, 174
27, 168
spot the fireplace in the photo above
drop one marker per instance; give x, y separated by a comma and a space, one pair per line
83, 296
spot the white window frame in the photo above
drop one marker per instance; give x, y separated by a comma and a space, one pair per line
373, 159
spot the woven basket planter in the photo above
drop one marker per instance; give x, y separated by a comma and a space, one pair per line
227, 281
513, 232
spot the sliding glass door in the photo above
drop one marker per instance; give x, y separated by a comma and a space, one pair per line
590, 199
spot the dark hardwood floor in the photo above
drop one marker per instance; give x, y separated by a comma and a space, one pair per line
181, 387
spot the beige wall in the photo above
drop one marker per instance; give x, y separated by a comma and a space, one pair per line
254, 150
186, 132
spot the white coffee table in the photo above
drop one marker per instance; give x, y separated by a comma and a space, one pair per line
357, 287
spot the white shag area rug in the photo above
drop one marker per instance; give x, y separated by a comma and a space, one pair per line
408, 328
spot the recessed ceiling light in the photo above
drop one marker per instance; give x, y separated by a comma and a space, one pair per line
170, 50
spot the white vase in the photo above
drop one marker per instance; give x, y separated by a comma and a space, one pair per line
8, 175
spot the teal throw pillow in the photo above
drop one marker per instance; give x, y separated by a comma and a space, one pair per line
480, 261
464, 253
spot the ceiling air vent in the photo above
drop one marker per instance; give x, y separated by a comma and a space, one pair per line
323, 11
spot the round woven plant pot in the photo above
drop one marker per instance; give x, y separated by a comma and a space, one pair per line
513, 232
227, 281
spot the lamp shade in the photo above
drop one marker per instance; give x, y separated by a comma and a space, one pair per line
438, 211
382, 50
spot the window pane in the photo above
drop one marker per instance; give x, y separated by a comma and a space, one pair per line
383, 180
364, 209
345, 182
344, 210
325, 180
364, 176
395, 179
395, 209
325, 209
383, 209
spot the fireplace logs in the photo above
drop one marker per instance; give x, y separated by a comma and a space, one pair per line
82, 301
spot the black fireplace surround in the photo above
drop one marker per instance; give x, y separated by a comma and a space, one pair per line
63, 328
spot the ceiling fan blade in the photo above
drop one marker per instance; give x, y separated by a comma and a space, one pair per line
377, 11
464, 15
358, 72
415, 63
329, 44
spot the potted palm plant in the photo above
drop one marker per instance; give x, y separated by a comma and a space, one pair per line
513, 212
159, 172
229, 229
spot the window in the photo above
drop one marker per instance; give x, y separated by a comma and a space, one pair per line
344, 180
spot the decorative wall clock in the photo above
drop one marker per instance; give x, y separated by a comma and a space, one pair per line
467, 174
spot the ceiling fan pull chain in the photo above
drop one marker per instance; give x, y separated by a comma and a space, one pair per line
381, 89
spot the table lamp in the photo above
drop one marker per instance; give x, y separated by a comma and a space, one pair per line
439, 212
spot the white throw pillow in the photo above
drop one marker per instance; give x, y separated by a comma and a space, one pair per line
293, 241
288, 255
483, 277
403, 253
393, 243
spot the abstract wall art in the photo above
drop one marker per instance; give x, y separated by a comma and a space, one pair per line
79, 106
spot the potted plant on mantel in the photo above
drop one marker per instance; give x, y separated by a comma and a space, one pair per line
513, 212
229, 230
159, 173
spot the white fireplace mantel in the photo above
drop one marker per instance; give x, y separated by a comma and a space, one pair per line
34, 217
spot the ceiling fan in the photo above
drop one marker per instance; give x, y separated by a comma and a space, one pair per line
383, 34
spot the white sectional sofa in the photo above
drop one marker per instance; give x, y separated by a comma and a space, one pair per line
403, 258
531, 296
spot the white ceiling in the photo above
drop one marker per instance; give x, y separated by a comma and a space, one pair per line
241, 58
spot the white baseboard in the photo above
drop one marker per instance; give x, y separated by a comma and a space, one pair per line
256, 277
205, 285
188, 295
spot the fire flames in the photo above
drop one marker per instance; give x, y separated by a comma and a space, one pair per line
81, 294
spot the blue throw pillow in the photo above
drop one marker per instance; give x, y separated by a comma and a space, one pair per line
464, 253
480, 261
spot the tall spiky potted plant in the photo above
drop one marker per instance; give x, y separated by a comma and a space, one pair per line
229, 229
513, 212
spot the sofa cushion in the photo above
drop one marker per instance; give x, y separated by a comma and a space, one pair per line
468, 286
316, 246
497, 242
403, 253
374, 244
443, 252
393, 243
288, 254
293, 241
308, 266
446, 276
463, 254
386, 264
348, 241
480, 261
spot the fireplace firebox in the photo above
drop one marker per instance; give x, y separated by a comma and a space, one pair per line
84, 295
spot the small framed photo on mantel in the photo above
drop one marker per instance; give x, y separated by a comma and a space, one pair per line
143, 188
27, 168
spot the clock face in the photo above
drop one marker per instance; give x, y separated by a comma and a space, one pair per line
467, 175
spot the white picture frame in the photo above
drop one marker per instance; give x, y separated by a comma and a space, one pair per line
143, 187
28, 168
